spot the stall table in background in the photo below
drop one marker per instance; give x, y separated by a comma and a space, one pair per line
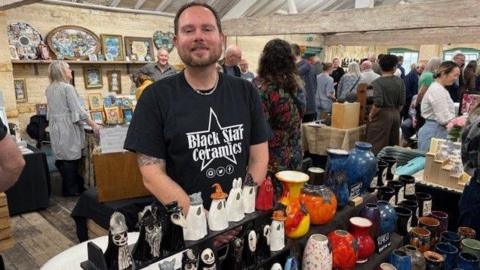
317, 138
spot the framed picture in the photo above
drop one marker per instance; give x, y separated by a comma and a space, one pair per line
73, 42
97, 116
114, 81
93, 77
20, 90
113, 115
95, 101
127, 115
112, 45
140, 46
13, 52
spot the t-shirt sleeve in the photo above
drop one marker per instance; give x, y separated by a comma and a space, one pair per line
378, 100
259, 131
3, 130
145, 133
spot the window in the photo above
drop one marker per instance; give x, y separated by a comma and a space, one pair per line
470, 54
409, 57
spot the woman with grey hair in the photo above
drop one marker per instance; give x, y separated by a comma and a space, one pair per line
65, 116
348, 83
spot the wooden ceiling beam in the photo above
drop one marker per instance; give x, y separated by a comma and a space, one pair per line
8, 4
163, 5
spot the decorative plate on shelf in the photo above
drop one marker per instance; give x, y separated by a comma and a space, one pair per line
25, 38
73, 42
163, 40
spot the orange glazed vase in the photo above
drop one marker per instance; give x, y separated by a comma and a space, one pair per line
298, 219
321, 203
344, 250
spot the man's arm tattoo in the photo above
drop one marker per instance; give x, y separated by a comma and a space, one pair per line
144, 160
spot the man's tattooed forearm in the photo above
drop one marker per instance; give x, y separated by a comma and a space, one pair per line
144, 160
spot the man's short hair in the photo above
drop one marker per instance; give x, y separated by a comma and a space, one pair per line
388, 62
295, 49
196, 4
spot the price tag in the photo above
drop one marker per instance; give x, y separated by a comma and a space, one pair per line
383, 242
410, 190
374, 182
355, 190
427, 208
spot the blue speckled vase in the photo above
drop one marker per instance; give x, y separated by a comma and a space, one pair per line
388, 218
401, 260
336, 175
361, 165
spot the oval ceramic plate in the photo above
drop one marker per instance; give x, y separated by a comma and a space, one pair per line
73, 42
25, 38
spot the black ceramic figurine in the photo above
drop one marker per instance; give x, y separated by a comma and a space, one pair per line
208, 260
263, 246
147, 247
249, 257
189, 260
234, 257
173, 228
117, 255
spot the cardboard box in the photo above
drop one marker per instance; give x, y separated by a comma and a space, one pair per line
345, 115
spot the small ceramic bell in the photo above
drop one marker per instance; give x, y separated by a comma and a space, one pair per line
276, 266
173, 239
148, 244
196, 227
217, 216
249, 194
208, 260
189, 260
167, 265
265, 196
117, 256
234, 202
277, 231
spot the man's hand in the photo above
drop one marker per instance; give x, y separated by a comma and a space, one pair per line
226, 237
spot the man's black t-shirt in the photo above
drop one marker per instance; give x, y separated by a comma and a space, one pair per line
204, 139
3, 130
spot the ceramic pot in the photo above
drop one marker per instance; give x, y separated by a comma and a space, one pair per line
424, 201
361, 166
234, 204
298, 219
400, 260
317, 254
388, 218
387, 266
386, 194
404, 220
392, 166
399, 191
420, 238
468, 261
471, 246
434, 260
466, 232
320, 202
450, 252
382, 166
371, 212
443, 218
360, 229
431, 224
450, 237
344, 249
316, 176
416, 256
412, 206
336, 175
408, 182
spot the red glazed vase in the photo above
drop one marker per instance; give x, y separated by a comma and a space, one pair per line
360, 229
344, 250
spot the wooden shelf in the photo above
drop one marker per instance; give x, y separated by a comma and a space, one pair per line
82, 62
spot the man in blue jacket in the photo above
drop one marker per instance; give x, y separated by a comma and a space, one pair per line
308, 74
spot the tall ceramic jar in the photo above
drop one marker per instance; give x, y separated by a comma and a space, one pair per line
320, 202
360, 229
418, 261
388, 218
298, 219
336, 175
317, 254
344, 250
362, 166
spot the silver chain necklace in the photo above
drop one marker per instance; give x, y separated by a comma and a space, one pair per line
204, 93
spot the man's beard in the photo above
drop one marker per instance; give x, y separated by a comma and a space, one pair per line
213, 57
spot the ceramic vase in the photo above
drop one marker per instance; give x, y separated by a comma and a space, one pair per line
416, 256
381, 172
412, 206
317, 254
277, 231
320, 202
360, 229
217, 215
362, 166
344, 249
316, 175
434, 260
265, 197
431, 224
449, 252
471, 246
443, 218
298, 219
387, 266
424, 201
234, 202
404, 220
386, 194
450, 237
399, 191
371, 212
400, 260
388, 218
336, 175
249, 195
466, 232
420, 238
468, 261
408, 182
196, 227
391, 168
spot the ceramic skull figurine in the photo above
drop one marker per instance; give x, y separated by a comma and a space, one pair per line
173, 232
276, 266
189, 260
217, 216
249, 194
277, 231
117, 255
167, 265
234, 201
207, 260
150, 237
196, 220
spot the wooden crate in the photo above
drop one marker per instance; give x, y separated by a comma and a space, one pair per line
345, 115
118, 177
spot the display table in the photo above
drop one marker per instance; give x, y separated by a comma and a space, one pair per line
32, 189
316, 139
